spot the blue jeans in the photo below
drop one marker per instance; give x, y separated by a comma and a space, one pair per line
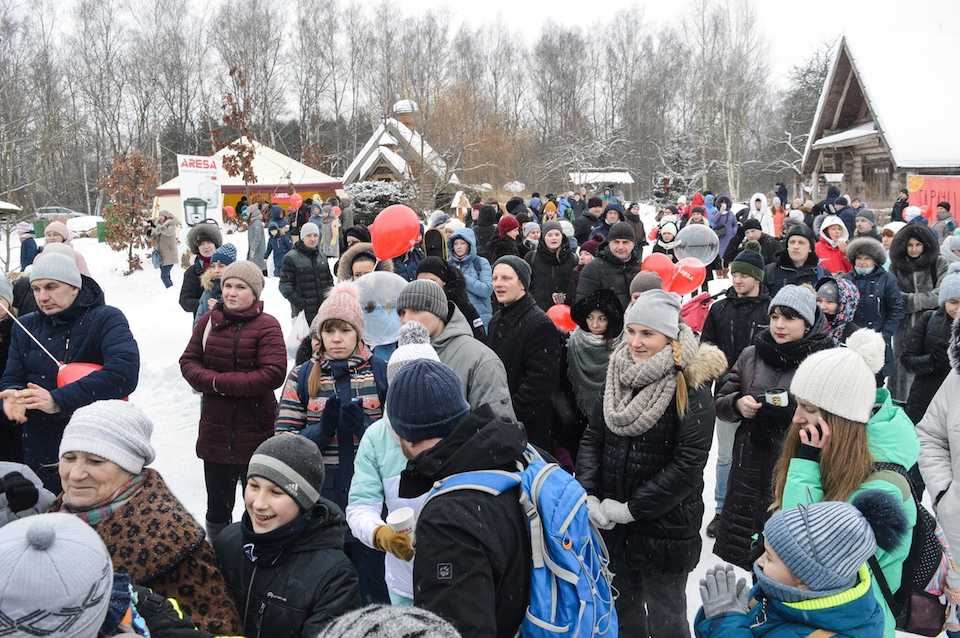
726, 431
165, 275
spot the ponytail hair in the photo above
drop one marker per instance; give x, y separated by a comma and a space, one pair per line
681, 395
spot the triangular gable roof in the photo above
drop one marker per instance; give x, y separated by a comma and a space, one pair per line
273, 170
392, 132
916, 122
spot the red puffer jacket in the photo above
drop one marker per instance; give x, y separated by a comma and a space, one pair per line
242, 362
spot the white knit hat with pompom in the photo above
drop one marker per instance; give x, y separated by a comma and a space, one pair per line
842, 380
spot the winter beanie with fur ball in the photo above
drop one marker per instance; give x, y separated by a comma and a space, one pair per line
343, 303
383, 621
841, 380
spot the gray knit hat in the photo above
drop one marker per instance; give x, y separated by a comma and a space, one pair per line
56, 579
520, 266
658, 310
294, 464
383, 621
550, 225
800, 299
529, 227
645, 280
58, 268
115, 430
413, 342
868, 215
309, 229
824, 544
950, 285
423, 294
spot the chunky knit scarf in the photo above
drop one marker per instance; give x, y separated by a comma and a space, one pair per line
637, 394
587, 358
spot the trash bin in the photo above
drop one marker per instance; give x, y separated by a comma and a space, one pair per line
102, 232
40, 225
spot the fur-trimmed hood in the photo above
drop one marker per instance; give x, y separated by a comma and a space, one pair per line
954, 350
898, 248
709, 362
869, 247
203, 232
345, 267
208, 278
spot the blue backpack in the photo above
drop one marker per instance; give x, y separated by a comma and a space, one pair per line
570, 591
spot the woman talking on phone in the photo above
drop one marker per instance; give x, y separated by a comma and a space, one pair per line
755, 395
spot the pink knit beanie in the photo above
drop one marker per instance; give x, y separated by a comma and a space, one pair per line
343, 303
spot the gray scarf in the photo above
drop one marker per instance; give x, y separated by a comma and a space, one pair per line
637, 394
587, 358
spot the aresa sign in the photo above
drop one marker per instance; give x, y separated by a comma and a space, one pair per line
199, 189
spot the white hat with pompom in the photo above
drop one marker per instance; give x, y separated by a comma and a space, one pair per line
842, 380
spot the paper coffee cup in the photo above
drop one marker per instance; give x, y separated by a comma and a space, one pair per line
402, 520
777, 397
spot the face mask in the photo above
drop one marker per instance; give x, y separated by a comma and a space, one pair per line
863, 271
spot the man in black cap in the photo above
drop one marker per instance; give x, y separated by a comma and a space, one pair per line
615, 265
584, 224
751, 230
529, 345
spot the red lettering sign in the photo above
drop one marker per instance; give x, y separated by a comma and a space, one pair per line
206, 163
930, 190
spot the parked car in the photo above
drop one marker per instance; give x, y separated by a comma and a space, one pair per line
52, 212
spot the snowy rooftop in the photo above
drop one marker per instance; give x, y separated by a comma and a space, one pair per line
393, 133
601, 177
910, 89
848, 136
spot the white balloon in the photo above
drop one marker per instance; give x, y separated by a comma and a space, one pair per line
698, 241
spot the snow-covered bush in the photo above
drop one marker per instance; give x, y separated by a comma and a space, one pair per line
369, 198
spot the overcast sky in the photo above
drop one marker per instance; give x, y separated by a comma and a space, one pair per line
795, 28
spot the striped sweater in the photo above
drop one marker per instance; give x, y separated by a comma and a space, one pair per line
293, 416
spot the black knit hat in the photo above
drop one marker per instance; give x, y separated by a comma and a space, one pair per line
519, 266
621, 230
434, 266
752, 224
594, 202
749, 262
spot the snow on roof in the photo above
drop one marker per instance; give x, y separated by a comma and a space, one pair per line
843, 138
272, 169
601, 177
392, 133
396, 163
909, 92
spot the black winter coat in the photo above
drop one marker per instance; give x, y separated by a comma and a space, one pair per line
881, 302
529, 345
583, 227
485, 230
607, 271
782, 272
500, 247
309, 584
305, 279
733, 322
770, 247
925, 355
473, 549
761, 367
191, 289
658, 473
23, 299
550, 272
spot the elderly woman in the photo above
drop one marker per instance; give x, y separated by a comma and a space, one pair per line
147, 530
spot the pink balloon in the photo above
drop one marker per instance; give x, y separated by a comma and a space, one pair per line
394, 231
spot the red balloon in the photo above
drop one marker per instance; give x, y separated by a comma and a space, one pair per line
296, 200
660, 264
230, 212
689, 274
560, 316
75, 371
394, 231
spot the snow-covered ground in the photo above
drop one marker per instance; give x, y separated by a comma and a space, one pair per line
162, 330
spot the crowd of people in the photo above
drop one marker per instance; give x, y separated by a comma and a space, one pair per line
825, 369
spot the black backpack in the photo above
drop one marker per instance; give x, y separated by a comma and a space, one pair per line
914, 609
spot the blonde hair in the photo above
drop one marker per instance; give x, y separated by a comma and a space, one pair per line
845, 463
681, 396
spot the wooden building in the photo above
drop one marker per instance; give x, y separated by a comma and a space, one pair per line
885, 114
